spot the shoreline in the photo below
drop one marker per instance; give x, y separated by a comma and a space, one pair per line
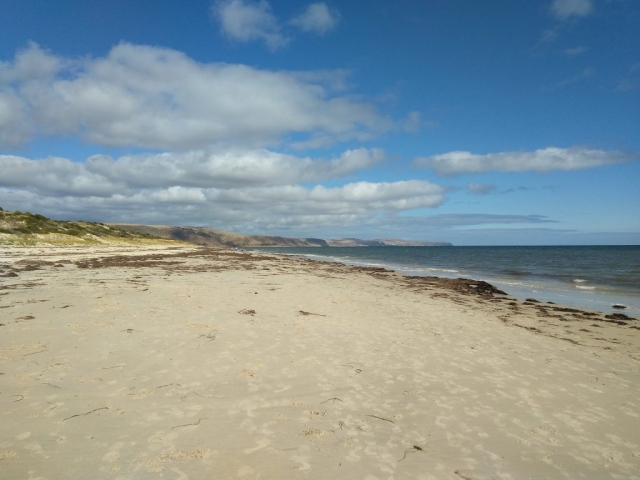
128, 362
575, 294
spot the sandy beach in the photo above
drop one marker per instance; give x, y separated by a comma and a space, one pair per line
125, 362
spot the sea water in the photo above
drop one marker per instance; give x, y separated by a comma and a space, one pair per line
593, 277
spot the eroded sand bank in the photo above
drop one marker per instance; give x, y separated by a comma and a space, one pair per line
138, 363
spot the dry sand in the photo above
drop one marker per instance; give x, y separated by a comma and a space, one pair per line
143, 363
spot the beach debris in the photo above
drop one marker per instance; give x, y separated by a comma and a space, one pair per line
246, 311
457, 472
210, 336
618, 316
618, 306
305, 314
461, 285
83, 414
381, 418
332, 400
167, 385
413, 449
190, 424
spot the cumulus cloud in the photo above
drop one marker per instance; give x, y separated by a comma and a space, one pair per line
542, 160
318, 18
564, 9
257, 190
101, 175
245, 21
150, 97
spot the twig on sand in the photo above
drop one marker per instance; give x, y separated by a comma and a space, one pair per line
380, 418
457, 472
51, 385
190, 424
203, 396
302, 312
33, 353
414, 448
21, 398
83, 414
332, 399
167, 385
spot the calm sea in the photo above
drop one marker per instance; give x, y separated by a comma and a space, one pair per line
594, 277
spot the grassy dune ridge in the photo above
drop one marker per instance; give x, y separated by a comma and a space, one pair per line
26, 228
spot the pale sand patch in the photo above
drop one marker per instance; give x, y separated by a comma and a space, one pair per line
159, 362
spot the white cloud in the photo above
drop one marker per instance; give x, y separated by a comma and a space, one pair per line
317, 18
564, 9
245, 21
258, 190
575, 51
141, 96
542, 160
103, 191
101, 175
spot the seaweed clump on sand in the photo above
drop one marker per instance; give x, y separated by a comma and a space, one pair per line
460, 285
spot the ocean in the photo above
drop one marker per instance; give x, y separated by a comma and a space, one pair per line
593, 277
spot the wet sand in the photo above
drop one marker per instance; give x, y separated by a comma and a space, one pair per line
148, 362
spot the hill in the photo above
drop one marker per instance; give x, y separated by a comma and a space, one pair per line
24, 227
214, 237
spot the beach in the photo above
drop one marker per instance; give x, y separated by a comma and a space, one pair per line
140, 362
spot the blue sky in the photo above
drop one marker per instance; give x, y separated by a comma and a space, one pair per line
479, 123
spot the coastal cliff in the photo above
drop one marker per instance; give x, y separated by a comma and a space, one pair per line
214, 237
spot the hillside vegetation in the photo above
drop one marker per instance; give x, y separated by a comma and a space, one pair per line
24, 227
214, 237
27, 228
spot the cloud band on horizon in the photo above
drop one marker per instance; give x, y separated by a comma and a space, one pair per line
542, 160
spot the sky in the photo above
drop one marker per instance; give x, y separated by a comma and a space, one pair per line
501, 122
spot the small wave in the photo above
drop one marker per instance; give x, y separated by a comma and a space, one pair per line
582, 287
579, 280
430, 269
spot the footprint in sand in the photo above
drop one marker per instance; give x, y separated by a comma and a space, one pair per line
261, 444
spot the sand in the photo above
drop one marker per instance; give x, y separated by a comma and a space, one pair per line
124, 362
